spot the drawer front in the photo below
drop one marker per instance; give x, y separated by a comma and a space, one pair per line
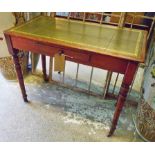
77, 56
41, 48
109, 63
34, 46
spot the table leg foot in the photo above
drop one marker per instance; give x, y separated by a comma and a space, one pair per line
46, 78
26, 100
113, 127
127, 80
119, 106
110, 133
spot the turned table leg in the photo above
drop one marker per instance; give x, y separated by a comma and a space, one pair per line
128, 77
43, 58
19, 74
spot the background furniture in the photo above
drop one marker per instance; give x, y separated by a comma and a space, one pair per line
132, 20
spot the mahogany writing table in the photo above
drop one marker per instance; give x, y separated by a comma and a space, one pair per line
106, 47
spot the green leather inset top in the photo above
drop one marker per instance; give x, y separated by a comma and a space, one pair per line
99, 38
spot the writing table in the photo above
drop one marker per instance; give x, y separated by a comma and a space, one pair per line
103, 46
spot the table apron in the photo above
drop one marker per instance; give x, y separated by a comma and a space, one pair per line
80, 56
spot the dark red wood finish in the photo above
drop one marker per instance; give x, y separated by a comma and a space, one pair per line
111, 63
14, 53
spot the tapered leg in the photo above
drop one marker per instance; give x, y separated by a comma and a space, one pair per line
19, 74
119, 105
32, 62
50, 68
128, 77
43, 58
107, 83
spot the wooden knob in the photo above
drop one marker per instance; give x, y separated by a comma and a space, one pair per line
1, 38
61, 52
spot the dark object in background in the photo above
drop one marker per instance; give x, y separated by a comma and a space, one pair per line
148, 22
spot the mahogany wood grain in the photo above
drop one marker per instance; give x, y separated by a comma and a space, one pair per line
75, 55
109, 63
126, 65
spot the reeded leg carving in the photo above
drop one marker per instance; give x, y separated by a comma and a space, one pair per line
19, 74
127, 80
119, 106
43, 58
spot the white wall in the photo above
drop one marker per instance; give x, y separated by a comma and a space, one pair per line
7, 20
